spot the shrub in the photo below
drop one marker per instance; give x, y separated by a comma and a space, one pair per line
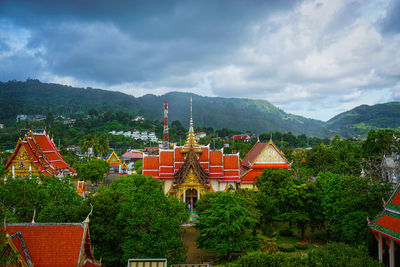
256, 259
286, 247
340, 254
268, 245
301, 245
285, 232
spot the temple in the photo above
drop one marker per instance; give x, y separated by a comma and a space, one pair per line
37, 154
191, 170
386, 226
115, 162
262, 156
49, 244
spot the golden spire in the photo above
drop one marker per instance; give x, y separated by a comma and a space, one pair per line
191, 141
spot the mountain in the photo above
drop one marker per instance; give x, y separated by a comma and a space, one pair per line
361, 119
258, 116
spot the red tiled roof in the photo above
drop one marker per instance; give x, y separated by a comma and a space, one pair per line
251, 175
240, 137
51, 244
253, 153
389, 222
43, 153
216, 158
167, 158
396, 200
271, 166
231, 162
150, 163
217, 165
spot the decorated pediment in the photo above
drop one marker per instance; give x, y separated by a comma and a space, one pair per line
270, 154
191, 170
113, 159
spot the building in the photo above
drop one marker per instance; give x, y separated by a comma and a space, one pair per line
244, 137
386, 226
36, 117
132, 156
262, 156
49, 244
114, 161
191, 170
37, 154
200, 135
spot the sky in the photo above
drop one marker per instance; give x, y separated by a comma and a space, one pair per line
312, 58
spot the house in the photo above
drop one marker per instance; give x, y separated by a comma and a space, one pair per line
244, 137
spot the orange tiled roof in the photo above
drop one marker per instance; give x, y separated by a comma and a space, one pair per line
52, 244
43, 153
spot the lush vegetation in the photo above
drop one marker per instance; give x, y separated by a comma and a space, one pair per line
34, 97
330, 255
360, 120
132, 218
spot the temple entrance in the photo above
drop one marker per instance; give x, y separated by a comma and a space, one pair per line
191, 198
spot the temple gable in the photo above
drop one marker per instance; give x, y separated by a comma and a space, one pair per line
270, 154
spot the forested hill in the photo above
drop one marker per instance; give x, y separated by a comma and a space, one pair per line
34, 97
258, 116
361, 119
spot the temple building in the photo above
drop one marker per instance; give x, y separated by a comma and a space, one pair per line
37, 154
191, 170
386, 226
262, 156
48, 244
115, 162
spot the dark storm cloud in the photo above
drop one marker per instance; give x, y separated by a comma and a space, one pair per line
128, 41
302, 55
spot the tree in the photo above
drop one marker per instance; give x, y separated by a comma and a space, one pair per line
269, 184
93, 171
346, 202
136, 206
227, 225
93, 112
54, 200
139, 166
105, 225
300, 206
101, 145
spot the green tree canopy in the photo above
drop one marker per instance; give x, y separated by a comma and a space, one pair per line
133, 218
227, 224
93, 171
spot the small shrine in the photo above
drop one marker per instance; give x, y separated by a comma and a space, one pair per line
114, 161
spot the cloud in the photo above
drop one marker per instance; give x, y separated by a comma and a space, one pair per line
302, 56
352, 96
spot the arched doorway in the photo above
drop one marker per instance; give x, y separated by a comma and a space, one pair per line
191, 198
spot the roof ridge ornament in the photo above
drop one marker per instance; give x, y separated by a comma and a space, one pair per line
34, 214
90, 213
191, 141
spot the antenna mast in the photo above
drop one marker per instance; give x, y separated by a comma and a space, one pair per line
165, 134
